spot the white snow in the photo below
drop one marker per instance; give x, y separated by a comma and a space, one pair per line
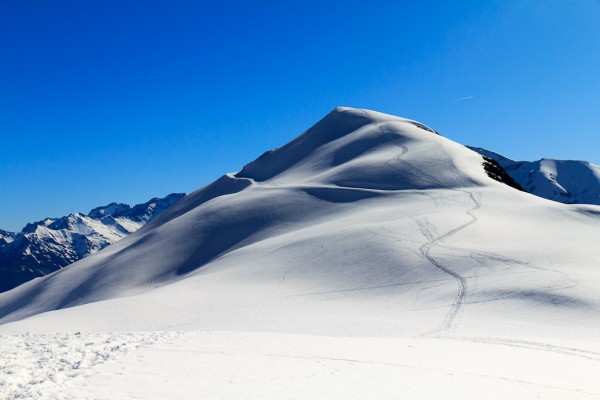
37, 365
369, 257
236, 365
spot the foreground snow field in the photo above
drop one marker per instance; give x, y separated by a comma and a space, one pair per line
37, 365
236, 365
369, 257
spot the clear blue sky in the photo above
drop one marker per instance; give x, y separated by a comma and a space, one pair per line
106, 101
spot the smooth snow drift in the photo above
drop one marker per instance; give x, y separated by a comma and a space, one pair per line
366, 225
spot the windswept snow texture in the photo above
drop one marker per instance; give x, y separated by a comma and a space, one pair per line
367, 225
35, 366
46, 246
565, 181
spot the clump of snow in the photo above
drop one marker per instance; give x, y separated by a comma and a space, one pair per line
32, 364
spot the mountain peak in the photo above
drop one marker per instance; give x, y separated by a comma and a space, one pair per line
358, 147
113, 209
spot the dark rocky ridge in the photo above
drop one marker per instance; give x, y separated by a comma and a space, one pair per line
497, 173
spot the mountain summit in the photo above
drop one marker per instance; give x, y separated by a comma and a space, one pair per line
366, 224
359, 149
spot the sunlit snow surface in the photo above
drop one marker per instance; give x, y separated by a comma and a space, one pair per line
369, 256
241, 365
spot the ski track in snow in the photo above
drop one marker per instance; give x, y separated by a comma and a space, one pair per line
30, 364
425, 249
434, 239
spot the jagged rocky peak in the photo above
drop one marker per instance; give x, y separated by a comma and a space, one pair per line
113, 209
32, 226
152, 208
71, 221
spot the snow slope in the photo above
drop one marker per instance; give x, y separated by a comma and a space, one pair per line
367, 225
565, 181
53, 243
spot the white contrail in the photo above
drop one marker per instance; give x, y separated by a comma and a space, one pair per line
465, 98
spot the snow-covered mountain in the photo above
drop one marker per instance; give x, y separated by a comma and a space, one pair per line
369, 255
565, 181
45, 246
362, 202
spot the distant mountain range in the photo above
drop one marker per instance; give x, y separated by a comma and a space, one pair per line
565, 181
45, 246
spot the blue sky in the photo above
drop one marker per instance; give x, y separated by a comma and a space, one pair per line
127, 100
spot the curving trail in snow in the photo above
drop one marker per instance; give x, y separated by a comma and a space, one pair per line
433, 240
